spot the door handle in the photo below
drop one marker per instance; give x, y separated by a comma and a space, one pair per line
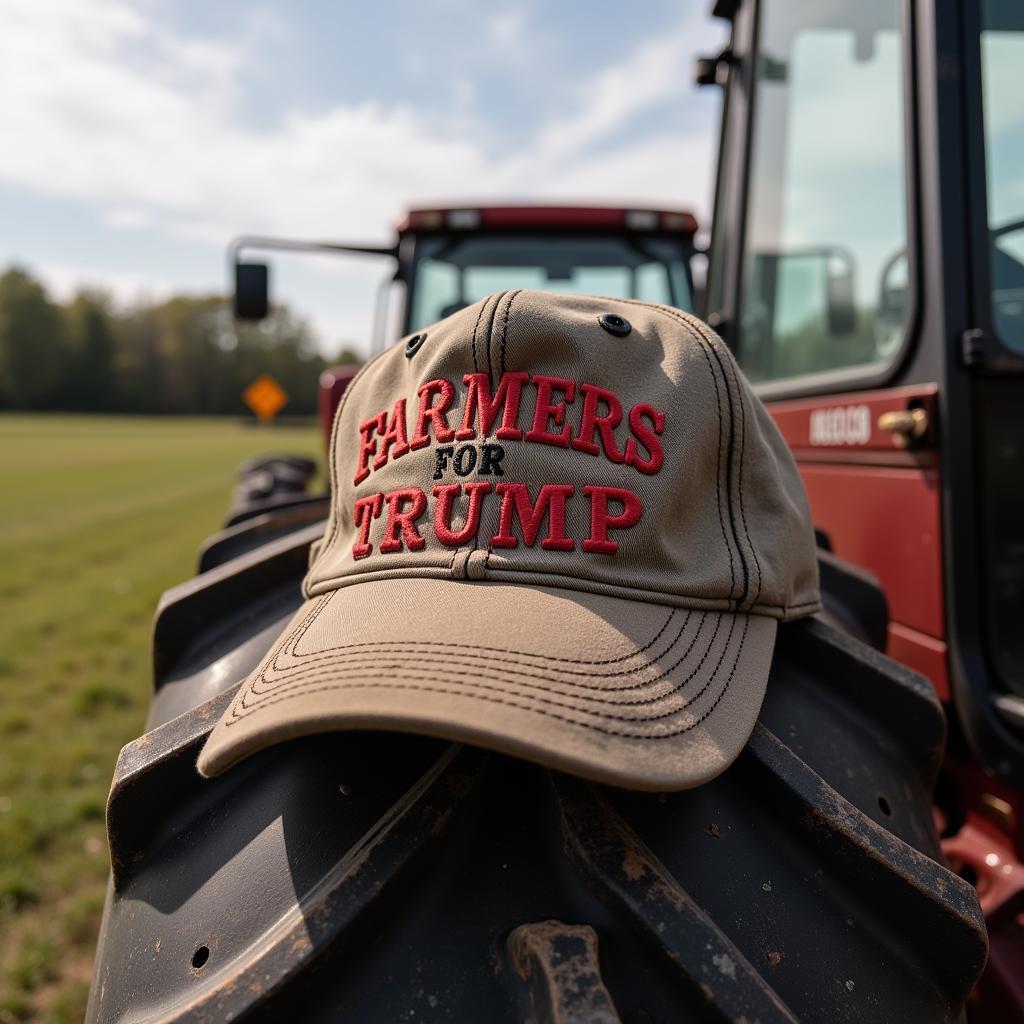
905, 425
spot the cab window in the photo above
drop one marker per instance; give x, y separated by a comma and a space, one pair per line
1002, 62
452, 273
825, 278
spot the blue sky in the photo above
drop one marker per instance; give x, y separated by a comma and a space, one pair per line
141, 136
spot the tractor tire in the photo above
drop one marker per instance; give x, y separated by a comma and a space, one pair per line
269, 482
382, 877
853, 600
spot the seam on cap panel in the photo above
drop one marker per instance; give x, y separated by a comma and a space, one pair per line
558, 581
277, 688
239, 711
500, 654
743, 445
476, 327
298, 633
332, 467
715, 344
504, 332
476, 368
451, 563
728, 471
455, 651
704, 344
697, 324
718, 482
290, 678
703, 340
489, 338
494, 302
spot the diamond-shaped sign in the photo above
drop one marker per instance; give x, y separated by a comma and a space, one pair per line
265, 397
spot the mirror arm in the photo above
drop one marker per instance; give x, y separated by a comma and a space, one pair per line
298, 245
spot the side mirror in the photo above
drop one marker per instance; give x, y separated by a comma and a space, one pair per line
842, 305
807, 286
252, 291
708, 70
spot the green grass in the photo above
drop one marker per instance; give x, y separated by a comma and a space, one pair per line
98, 516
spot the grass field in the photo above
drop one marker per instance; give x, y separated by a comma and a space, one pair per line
98, 515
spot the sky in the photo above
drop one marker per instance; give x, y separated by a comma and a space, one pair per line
141, 136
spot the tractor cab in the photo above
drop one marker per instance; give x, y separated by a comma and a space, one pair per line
445, 258
867, 270
457, 256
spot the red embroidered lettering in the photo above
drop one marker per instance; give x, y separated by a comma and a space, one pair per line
365, 510
646, 436
403, 520
368, 445
479, 402
550, 501
606, 424
601, 522
446, 495
544, 410
394, 435
437, 414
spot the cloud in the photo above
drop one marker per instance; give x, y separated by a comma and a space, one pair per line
128, 217
143, 123
507, 27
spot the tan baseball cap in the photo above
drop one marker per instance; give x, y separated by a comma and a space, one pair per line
562, 527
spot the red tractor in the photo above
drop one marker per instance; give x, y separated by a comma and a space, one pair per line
867, 270
445, 258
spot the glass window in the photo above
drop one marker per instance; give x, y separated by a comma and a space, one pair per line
825, 275
454, 272
1002, 63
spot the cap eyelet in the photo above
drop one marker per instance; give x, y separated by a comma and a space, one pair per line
414, 344
615, 324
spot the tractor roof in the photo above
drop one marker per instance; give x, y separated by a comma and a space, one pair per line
514, 218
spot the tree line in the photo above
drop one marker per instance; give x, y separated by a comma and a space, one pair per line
184, 354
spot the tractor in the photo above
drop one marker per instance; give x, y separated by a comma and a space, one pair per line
444, 258
867, 270
833, 873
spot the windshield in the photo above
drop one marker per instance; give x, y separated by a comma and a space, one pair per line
1002, 62
454, 272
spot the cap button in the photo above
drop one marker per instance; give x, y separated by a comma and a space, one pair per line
413, 345
615, 324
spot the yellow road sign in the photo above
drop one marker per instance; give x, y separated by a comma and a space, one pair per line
265, 397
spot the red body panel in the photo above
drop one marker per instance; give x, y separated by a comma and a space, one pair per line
880, 507
796, 418
886, 520
333, 383
923, 653
549, 218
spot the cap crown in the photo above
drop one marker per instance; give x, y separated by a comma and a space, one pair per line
524, 442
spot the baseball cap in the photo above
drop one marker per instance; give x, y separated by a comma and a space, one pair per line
561, 527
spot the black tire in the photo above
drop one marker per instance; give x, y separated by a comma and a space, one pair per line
377, 877
268, 482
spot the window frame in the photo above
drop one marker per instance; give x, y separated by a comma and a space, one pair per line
413, 254
867, 375
998, 355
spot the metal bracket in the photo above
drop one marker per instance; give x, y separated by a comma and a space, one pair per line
713, 70
974, 347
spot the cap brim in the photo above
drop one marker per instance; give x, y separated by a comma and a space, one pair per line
637, 695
